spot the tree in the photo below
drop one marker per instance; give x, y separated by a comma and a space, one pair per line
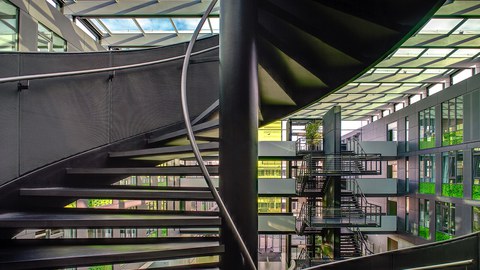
312, 135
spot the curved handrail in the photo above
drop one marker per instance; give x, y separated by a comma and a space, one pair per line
98, 70
223, 209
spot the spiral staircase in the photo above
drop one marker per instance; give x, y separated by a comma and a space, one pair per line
306, 49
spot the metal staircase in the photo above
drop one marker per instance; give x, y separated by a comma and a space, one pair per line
315, 176
299, 61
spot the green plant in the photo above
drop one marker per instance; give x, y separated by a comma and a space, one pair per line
427, 142
426, 188
424, 232
476, 192
452, 190
93, 203
312, 135
441, 236
101, 267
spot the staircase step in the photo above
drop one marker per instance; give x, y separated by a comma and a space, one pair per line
118, 193
61, 256
169, 150
128, 211
70, 220
164, 171
183, 132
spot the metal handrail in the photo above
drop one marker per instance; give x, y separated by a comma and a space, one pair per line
363, 242
223, 209
443, 265
98, 70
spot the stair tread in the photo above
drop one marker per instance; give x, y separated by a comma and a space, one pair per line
80, 220
212, 146
117, 193
183, 132
64, 255
166, 171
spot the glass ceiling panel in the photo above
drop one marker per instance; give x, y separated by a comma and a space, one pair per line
471, 26
437, 52
99, 26
118, 26
188, 25
215, 23
156, 25
386, 70
440, 26
404, 52
465, 52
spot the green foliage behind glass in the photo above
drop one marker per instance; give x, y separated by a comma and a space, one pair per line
427, 142
452, 190
452, 138
476, 192
441, 236
424, 232
93, 203
426, 188
101, 267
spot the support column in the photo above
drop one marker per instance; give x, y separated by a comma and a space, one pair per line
238, 127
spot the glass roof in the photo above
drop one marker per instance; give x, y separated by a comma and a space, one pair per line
445, 46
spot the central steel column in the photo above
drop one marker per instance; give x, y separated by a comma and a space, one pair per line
238, 126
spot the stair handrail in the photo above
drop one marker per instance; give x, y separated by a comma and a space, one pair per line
363, 242
357, 191
98, 70
223, 209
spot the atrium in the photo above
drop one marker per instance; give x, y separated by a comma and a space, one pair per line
253, 134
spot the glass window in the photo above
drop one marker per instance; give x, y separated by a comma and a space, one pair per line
392, 132
188, 25
399, 106
407, 136
415, 98
270, 205
445, 221
462, 75
452, 174
408, 52
119, 26
476, 174
424, 218
156, 25
48, 41
427, 174
472, 26
475, 218
407, 175
435, 88
440, 26
8, 26
427, 128
392, 169
452, 121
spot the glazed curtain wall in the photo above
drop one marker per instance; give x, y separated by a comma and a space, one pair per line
60, 117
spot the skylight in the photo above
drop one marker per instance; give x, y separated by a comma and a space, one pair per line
156, 25
408, 52
188, 25
440, 26
437, 52
118, 26
471, 26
